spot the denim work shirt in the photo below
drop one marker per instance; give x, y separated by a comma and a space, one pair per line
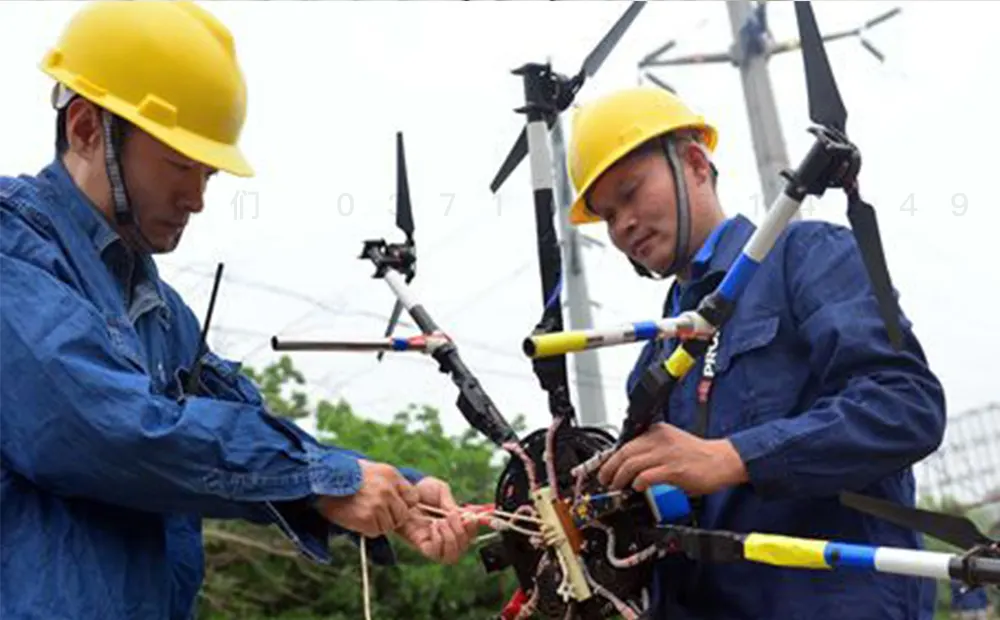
107, 468
815, 400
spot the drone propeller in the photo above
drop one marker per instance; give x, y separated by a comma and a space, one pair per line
827, 108
954, 530
404, 221
591, 64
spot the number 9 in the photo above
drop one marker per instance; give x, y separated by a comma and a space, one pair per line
959, 202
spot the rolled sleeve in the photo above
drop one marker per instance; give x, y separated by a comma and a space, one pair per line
80, 419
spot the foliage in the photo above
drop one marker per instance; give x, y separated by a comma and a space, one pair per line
949, 505
254, 572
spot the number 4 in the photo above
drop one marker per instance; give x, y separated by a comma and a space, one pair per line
910, 200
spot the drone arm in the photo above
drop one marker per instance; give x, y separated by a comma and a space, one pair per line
474, 403
717, 546
878, 410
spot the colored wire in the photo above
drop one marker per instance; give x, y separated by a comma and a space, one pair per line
550, 455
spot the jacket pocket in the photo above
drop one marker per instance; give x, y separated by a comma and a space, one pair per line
764, 375
222, 379
125, 342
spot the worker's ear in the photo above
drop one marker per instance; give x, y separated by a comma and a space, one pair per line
698, 160
84, 132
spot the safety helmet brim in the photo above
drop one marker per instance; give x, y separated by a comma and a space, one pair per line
607, 129
580, 213
169, 68
218, 155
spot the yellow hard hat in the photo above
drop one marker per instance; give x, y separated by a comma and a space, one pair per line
610, 127
169, 68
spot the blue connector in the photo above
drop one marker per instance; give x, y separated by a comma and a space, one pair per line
668, 503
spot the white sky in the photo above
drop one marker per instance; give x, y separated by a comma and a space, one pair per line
331, 82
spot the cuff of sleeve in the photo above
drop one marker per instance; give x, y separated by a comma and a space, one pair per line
411, 475
331, 473
766, 468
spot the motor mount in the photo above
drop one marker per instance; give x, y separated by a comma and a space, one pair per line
538, 568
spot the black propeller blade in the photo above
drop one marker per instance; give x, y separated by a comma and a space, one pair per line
954, 530
590, 66
404, 210
404, 220
827, 108
600, 53
825, 105
514, 157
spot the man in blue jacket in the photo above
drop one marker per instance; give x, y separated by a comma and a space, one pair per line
109, 461
803, 395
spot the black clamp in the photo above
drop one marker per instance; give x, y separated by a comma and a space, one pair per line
702, 545
399, 257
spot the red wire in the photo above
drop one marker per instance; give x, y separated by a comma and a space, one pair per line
513, 606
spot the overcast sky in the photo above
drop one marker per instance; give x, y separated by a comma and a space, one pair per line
331, 82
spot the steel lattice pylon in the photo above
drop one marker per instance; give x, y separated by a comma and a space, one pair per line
966, 467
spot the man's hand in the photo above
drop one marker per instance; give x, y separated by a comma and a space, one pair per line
380, 506
442, 540
667, 454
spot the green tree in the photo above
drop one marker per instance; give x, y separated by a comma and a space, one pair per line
253, 572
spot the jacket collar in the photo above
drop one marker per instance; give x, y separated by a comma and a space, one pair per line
722, 247
128, 266
712, 260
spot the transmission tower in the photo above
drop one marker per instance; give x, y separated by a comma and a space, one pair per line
966, 467
589, 388
751, 49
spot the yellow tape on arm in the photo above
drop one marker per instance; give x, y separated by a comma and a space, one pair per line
547, 345
785, 551
679, 363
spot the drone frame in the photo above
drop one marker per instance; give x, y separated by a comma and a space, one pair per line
832, 162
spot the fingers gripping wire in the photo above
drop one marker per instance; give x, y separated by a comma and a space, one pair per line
486, 516
596, 526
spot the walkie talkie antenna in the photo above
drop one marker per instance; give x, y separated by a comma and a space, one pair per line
192, 381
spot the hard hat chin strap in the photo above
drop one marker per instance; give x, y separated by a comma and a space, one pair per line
114, 139
683, 236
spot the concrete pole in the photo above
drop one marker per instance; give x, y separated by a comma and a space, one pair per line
762, 111
589, 389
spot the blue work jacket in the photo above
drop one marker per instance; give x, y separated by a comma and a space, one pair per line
108, 468
968, 600
815, 400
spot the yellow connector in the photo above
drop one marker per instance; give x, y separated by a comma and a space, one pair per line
558, 343
580, 589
